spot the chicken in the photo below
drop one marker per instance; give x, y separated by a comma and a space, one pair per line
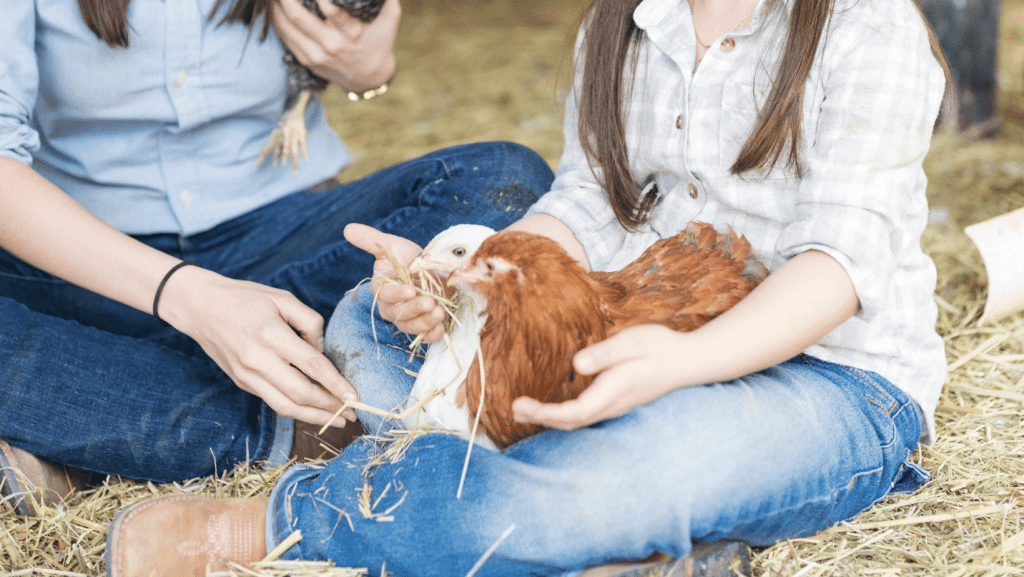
288, 140
540, 307
444, 367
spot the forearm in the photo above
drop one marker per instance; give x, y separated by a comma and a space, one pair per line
46, 228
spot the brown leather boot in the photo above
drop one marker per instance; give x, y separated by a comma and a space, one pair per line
307, 445
182, 535
718, 559
27, 481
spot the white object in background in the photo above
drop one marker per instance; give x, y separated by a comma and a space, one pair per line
1001, 242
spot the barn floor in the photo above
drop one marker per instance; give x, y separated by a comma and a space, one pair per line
496, 69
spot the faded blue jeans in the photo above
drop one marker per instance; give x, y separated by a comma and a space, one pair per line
782, 453
88, 382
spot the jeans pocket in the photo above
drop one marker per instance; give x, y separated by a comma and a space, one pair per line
881, 405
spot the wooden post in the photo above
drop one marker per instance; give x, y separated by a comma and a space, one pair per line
968, 31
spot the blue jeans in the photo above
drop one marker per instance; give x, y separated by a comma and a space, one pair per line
88, 382
778, 454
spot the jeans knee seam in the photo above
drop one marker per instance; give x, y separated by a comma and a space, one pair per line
855, 476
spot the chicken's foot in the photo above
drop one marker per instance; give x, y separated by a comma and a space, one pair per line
288, 140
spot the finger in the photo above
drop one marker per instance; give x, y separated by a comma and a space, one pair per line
289, 375
306, 321
283, 405
393, 308
295, 353
607, 353
331, 11
380, 244
302, 20
566, 416
367, 238
392, 294
422, 324
328, 390
283, 17
434, 335
417, 308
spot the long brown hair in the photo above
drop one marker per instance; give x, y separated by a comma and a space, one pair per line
108, 19
610, 45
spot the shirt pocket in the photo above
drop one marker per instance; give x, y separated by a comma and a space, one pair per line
741, 101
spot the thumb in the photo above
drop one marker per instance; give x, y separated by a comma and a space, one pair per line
366, 238
605, 354
380, 243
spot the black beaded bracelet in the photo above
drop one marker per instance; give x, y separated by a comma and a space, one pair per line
160, 289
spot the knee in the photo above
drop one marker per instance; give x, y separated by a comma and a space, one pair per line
347, 329
525, 166
509, 179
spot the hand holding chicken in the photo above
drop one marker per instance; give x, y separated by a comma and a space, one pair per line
398, 303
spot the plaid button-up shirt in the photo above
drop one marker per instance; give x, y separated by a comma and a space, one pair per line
870, 105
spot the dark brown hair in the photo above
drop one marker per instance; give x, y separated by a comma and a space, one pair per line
609, 51
108, 19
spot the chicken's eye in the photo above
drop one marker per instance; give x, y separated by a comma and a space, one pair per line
459, 251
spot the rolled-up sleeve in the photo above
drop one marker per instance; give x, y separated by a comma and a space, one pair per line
882, 92
19, 80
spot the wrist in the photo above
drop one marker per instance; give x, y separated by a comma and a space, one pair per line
370, 82
163, 284
178, 292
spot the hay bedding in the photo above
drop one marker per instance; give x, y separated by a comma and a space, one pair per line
490, 70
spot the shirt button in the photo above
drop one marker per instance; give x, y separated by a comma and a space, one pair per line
181, 78
728, 45
186, 197
692, 189
679, 122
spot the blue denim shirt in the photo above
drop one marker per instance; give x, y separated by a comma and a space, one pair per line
158, 137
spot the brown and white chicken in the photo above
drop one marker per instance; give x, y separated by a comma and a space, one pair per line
540, 307
446, 363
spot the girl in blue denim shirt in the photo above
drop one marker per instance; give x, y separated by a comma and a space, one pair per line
129, 137
802, 124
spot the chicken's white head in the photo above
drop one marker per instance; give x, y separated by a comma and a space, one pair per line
449, 248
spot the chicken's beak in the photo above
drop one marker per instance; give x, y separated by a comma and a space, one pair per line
426, 263
455, 278
419, 264
464, 274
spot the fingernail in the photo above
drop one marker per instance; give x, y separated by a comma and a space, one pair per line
350, 398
